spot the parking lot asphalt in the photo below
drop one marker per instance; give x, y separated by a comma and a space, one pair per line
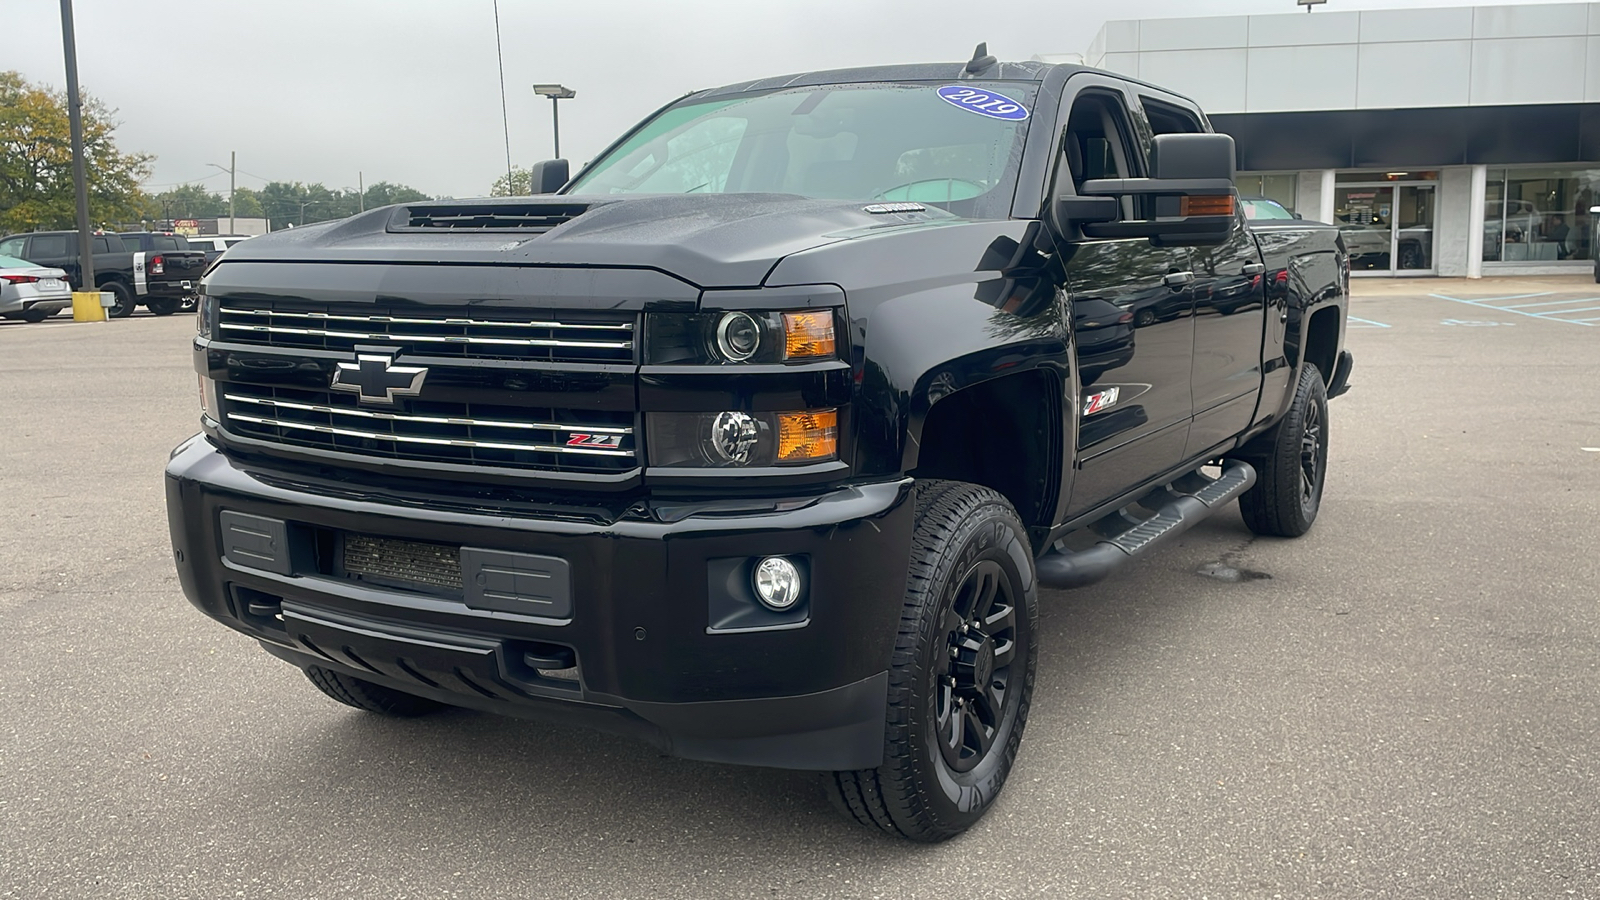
1404, 703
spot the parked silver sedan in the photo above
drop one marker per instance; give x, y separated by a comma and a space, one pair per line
31, 292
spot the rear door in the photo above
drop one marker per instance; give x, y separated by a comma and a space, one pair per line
1132, 316
1229, 312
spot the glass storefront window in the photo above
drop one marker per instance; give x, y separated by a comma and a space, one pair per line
1539, 215
1279, 186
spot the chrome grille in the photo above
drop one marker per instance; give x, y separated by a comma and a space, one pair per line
471, 434
471, 334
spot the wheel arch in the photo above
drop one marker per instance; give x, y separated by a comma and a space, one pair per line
1003, 433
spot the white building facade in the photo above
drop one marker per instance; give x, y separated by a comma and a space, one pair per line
1457, 141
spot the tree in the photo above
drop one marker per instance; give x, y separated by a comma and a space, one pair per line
190, 201
246, 205
383, 193
36, 189
516, 183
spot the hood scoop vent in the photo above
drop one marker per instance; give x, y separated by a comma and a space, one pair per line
520, 218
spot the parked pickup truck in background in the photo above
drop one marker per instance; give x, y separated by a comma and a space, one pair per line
760, 437
154, 270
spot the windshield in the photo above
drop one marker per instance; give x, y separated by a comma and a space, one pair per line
954, 146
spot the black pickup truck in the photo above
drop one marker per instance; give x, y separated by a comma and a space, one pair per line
150, 269
760, 437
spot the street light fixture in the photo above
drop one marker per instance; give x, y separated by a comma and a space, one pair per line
232, 169
556, 93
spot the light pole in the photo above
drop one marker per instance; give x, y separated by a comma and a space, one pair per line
556, 93
232, 168
80, 187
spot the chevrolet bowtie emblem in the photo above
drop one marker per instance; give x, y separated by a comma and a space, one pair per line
376, 379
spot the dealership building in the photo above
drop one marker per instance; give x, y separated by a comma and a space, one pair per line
1450, 141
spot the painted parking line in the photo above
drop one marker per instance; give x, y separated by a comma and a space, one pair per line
1550, 303
1553, 313
1510, 297
1488, 304
1357, 322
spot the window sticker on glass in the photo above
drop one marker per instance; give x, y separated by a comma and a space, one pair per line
995, 106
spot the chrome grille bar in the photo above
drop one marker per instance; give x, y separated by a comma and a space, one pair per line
401, 320
429, 420
413, 439
430, 338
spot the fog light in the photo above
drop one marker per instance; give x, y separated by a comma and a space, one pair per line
738, 336
777, 583
734, 435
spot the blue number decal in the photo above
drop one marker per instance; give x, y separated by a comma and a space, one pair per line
984, 103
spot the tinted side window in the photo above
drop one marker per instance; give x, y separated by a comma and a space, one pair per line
1098, 143
1168, 119
49, 245
12, 247
161, 242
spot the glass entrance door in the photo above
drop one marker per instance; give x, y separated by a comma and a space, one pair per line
1388, 228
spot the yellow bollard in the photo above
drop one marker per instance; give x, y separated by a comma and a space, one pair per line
86, 307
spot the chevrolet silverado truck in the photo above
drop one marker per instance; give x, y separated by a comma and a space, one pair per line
759, 438
153, 270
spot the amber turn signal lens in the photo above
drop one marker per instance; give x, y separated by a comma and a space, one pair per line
807, 335
1216, 205
808, 436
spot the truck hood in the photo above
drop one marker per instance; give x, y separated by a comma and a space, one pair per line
706, 240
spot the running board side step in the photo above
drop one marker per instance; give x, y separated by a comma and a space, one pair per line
1124, 535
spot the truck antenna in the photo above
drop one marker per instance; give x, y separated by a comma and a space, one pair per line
980, 59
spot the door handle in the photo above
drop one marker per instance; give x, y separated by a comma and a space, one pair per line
1253, 269
1177, 279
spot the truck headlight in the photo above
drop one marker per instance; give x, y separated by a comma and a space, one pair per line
731, 338
204, 315
736, 439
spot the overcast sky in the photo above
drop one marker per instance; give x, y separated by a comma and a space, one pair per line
408, 91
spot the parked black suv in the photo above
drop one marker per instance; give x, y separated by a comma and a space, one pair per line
759, 438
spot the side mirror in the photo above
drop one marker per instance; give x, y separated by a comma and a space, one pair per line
548, 176
1188, 200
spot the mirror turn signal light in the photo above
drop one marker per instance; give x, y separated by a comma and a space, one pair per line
808, 335
804, 436
1208, 205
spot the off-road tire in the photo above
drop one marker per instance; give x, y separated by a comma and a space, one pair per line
367, 696
163, 306
125, 301
1290, 478
962, 531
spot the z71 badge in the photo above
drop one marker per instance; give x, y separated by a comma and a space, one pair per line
1101, 401
603, 441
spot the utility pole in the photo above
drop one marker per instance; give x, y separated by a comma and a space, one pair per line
361, 193
232, 168
556, 93
80, 182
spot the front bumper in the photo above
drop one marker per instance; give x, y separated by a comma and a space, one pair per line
648, 619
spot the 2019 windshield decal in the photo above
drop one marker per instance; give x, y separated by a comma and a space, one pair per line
984, 103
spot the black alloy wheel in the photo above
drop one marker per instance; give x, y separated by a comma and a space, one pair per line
123, 301
981, 641
1291, 472
1313, 457
961, 673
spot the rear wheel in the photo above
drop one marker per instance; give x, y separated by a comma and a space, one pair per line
163, 306
34, 314
1288, 488
367, 696
961, 676
123, 304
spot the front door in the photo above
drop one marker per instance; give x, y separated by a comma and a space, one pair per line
1132, 321
1388, 228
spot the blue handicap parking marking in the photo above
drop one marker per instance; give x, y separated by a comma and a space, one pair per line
1570, 310
1358, 322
